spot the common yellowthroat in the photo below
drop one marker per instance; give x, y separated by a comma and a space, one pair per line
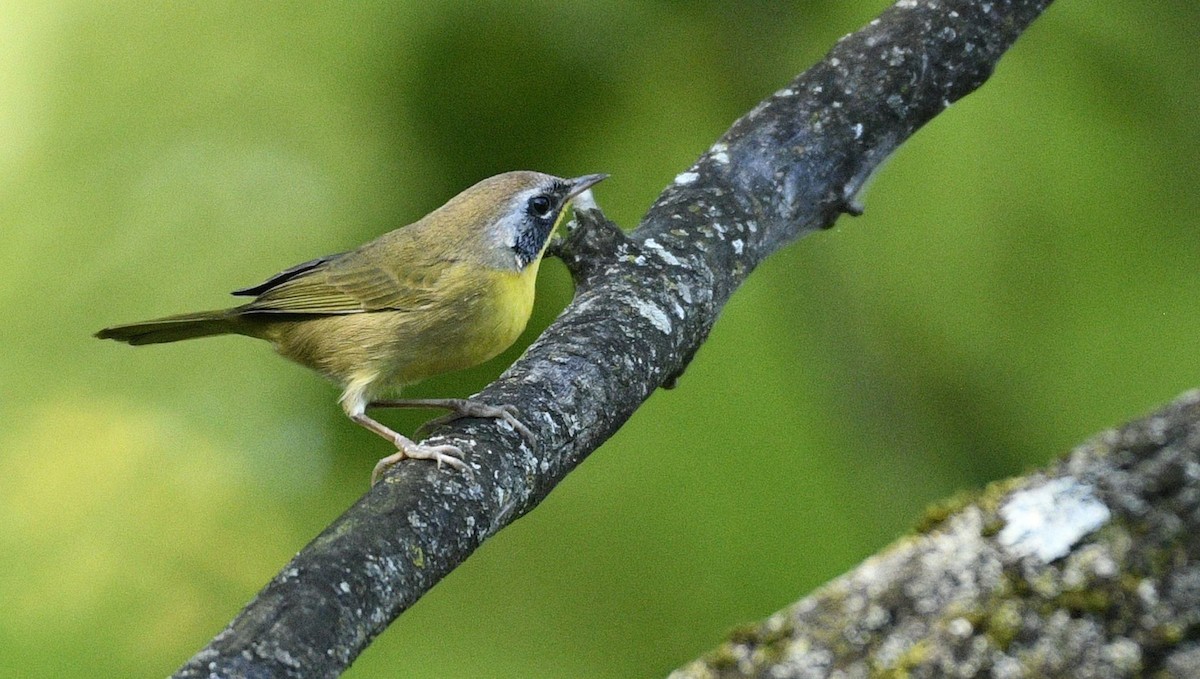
446, 292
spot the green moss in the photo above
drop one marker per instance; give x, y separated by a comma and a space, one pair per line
418, 556
1014, 585
992, 525
997, 491
768, 642
1045, 584
1128, 584
913, 658
722, 658
937, 513
1094, 601
1168, 634
1002, 624
1163, 561
777, 635
745, 634
988, 500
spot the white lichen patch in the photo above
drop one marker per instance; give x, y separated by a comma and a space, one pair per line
684, 178
1047, 521
738, 246
657, 317
719, 153
960, 628
545, 417
685, 293
1123, 655
663, 254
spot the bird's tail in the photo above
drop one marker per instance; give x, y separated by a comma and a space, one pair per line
175, 328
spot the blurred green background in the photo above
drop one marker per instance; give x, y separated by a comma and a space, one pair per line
1026, 274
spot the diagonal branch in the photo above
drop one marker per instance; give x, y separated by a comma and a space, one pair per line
644, 304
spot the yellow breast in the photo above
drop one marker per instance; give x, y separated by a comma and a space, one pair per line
488, 322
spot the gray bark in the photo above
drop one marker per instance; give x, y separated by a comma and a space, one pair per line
1090, 568
644, 304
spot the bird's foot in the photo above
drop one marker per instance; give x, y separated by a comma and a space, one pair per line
406, 450
465, 407
462, 407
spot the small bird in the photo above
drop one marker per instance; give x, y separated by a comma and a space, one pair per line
446, 292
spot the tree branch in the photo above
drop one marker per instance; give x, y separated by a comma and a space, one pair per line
1088, 569
644, 304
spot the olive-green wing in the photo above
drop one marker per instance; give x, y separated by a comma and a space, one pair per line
354, 282
286, 275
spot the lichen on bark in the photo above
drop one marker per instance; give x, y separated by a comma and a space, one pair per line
1089, 568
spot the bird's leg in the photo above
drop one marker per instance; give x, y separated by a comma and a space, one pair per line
355, 406
406, 448
462, 407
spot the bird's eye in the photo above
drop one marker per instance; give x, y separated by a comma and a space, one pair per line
540, 206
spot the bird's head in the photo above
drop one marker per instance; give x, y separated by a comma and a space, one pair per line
515, 213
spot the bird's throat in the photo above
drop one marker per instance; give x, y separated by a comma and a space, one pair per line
532, 243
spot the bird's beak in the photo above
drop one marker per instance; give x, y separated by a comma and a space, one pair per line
580, 184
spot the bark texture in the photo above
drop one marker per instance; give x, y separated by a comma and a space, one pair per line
644, 304
1090, 568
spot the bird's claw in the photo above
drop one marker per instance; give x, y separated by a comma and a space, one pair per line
506, 412
442, 454
509, 413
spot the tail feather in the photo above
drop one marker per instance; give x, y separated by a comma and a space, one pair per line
175, 328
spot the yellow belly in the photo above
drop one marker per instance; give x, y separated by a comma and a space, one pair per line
475, 332
383, 350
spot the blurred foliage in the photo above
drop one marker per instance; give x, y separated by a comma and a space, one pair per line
1026, 274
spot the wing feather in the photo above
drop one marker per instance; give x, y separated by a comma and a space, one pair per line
355, 282
285, 276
